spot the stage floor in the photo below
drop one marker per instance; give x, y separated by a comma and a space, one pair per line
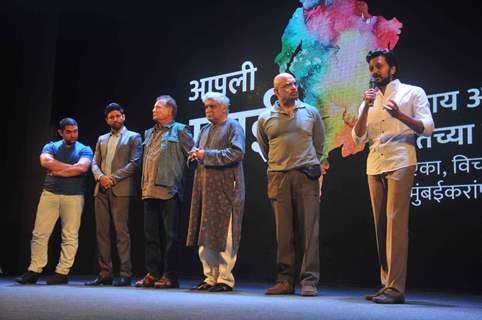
247, 301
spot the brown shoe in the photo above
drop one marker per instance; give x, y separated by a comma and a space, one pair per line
147, 282
370, 297
281, 287
389, 296
165, 283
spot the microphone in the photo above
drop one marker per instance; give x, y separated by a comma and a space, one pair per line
372, 85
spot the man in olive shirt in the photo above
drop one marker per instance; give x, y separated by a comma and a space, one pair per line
291, 136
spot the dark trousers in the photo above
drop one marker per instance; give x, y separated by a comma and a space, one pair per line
161, 232
111, 209
296, 205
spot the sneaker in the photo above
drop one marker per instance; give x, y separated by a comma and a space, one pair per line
147, 282
100, 281
58, 278
309, 291
165, 283
122, 282
28, 277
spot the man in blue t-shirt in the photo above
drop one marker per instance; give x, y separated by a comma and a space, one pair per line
67, 162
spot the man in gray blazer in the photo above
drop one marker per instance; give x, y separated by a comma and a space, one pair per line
116, 160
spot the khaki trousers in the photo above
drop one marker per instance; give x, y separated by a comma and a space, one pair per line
51, 207
390, 198
295, 200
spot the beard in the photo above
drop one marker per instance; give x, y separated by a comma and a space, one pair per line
383, 82
290, 100
116, 126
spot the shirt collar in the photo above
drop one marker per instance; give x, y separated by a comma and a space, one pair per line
391, 87
298, 105
394, 84
167, 126
119, 133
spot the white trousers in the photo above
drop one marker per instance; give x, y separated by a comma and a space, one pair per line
218, 266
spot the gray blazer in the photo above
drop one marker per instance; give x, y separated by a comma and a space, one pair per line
125, 163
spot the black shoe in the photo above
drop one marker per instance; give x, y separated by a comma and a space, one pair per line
203, 286
122, 282
220, 287
58, 278
100, 281
28, 277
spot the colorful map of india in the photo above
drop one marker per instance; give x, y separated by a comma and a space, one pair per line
324, 45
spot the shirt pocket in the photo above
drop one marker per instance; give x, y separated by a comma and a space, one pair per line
169, 140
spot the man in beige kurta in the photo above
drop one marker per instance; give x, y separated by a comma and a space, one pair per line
218, 195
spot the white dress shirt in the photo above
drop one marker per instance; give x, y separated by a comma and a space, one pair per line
392, 143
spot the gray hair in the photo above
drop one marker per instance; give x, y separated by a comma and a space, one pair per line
218, 97
167, 99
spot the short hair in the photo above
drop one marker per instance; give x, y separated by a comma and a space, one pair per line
218, 97
387, 53
67, 122
167, 99
111, 107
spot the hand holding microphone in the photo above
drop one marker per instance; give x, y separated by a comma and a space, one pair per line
370, 95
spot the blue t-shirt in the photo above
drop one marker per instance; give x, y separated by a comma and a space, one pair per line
66, 185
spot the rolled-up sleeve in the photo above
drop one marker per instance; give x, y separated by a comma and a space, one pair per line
364, 137
422, 112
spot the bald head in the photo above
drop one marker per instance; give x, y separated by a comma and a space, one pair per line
285, 88
282, 78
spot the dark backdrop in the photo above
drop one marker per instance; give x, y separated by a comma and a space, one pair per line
71, 59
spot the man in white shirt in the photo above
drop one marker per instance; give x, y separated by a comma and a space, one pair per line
390, 116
